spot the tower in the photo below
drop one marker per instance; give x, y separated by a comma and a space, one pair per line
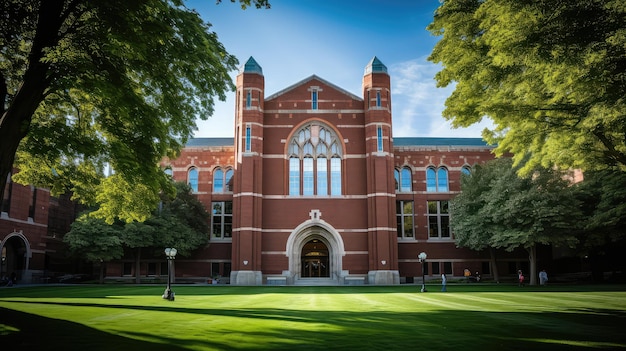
382, 239
247, 202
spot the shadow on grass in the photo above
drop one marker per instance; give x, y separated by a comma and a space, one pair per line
26, 331
573, 329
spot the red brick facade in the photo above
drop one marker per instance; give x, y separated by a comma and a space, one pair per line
316, 186
28, 243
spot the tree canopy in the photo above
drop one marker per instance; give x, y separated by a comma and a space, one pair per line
498, 208
86, 84
181, 222
550, 74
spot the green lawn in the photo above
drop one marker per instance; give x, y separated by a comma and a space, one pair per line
467, 317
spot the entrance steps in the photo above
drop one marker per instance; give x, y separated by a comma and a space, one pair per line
315, 282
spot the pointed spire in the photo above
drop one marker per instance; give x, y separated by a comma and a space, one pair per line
375, 66
251, 66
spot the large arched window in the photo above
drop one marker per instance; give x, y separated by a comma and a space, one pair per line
192, 179
222, 181
403, 179
315, 161
436, 179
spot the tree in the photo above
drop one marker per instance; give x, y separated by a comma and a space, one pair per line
500, 209
95, 241
85, 83
181, 222
603, 239
550, 74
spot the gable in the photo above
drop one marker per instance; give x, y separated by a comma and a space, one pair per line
302, 90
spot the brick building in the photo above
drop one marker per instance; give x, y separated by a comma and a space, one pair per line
32, 224
314, 188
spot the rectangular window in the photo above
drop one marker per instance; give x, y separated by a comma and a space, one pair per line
249, 99
435, 266
314, 100
447, 267
222, 220
485, 267
127, 268
294, 176
335, 176
378, 98
438, 220
307, 176
248, 138
215, 269
404, 217
322, 176
163, 268
151, 268
379, 138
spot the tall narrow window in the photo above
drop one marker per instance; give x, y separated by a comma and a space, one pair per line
442, 179
294, 176
438, 219
248, 138
218, 181
335, 176
192, 179
396, 178
249, 99
322, 176
308, 179
33, 202
436, 180
404, 216
8, 189
405, 179
377, 98
229, 180
315, 161
314, 99
379, 138
222, 220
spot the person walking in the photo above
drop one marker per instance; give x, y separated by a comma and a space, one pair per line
543, 277
520, 277
444, 281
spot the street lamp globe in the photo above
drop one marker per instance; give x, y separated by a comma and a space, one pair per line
422, 258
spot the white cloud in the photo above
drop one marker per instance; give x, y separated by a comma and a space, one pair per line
417, 103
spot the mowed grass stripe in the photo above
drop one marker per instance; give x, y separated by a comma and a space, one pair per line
311, 318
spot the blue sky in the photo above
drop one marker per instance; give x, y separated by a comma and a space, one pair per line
335, 40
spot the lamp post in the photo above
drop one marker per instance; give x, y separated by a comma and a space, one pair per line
170, 254
422, 259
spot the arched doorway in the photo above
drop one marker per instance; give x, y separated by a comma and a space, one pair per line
315, 242
15, 253
315, 260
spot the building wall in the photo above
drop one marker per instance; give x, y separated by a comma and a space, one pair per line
271, 227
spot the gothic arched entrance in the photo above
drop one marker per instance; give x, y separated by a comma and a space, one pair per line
315, 243
315, 262
16, 252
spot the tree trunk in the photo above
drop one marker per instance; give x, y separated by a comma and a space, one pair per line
532, 257
494, 265
15, 120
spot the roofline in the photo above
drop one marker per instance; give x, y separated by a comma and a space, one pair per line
311, 77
